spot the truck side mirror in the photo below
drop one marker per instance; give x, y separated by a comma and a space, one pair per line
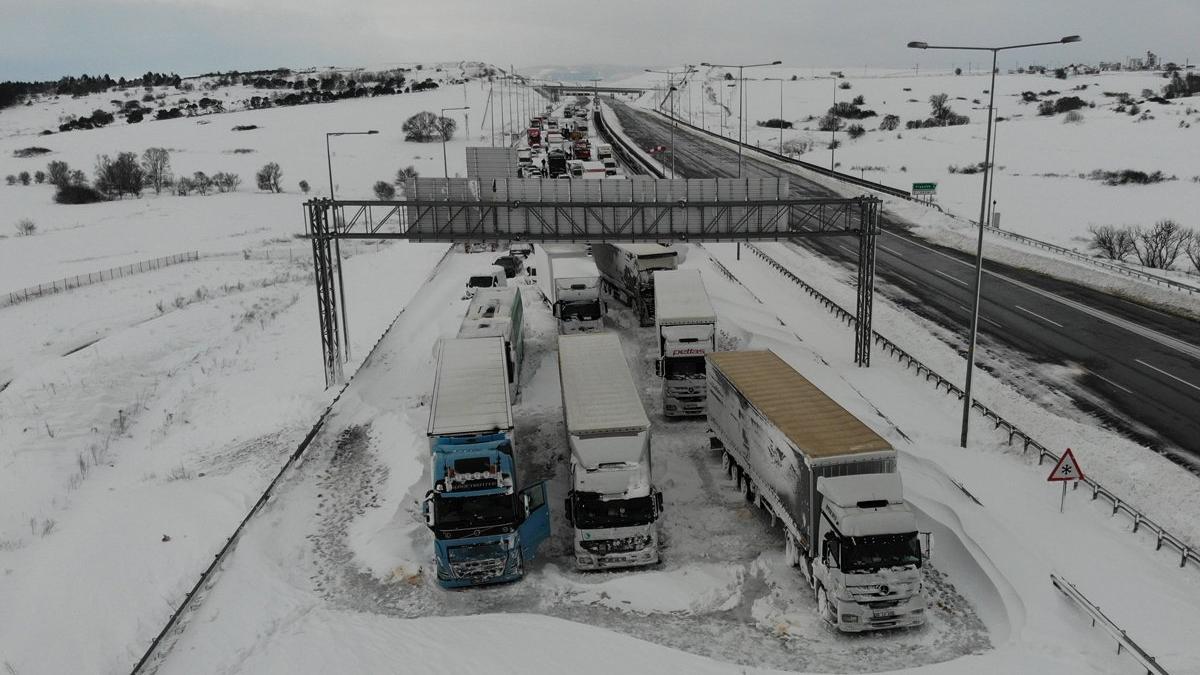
658, 367
525, 504
658, 500
567, 511
426, 508
926, 545
554, 310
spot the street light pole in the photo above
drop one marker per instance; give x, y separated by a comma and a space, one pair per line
337, 246
983, 201
780, 80
442, 132
741, 97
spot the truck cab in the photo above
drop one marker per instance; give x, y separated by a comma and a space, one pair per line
492, 277
484, 531
868, 570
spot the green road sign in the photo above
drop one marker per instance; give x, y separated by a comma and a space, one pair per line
924, 188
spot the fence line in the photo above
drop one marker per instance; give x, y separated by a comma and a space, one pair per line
1124, 642
1187, 552
68, 283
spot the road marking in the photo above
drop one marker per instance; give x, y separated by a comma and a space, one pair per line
1095, 374
954, 279
903, 277
1150, 334
1038, 316
892, 251
968, 311
1168, 374
847, 249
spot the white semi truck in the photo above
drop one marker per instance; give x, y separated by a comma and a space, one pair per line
627, 271
613, 504
568, 279
830, 480
687, 330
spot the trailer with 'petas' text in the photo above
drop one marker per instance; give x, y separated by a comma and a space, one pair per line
830, 480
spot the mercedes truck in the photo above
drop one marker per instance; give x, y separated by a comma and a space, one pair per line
613, 504
687, 330
830, 480
484, 529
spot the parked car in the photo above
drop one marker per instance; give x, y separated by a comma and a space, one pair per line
511, 265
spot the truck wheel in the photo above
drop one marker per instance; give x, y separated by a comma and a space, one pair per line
727, 464
824, 609
749, 490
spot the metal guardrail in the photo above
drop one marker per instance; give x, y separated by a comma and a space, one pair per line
844, 177
68, 283
1098, 262
1124, 642
151, 660
1187, 552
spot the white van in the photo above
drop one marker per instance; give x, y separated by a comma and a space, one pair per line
492, 277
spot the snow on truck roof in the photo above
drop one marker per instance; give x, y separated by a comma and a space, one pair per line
598, 390
812, 421
490, 312
470, 390
645, 249
680, 297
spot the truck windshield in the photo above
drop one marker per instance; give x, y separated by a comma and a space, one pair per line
456, 513
581, 311
480, 282
592, 512
862, 554
684, 367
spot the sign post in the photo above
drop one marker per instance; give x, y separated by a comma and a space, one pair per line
925, 190
1067, 470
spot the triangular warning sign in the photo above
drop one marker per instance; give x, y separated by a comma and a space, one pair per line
1066, 469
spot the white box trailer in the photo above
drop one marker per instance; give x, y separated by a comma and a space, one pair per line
568, 280
628, 273
498, 312
830, 480
613, 504
686, 325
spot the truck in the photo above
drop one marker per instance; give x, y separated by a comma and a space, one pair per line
556, 163
484, 529
627, 273
830, 480
583, 149
686, 326
497, 312
603, 151
613, 504
568, 280
594, 170
535, 137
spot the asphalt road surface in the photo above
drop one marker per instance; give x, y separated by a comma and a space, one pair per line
1138, 368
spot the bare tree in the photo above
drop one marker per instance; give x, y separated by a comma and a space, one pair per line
1193, 249
268, 178
1110, 241
23, 177
202, 182
120, 176
1159, 246
59, 173
26, 227
384, 190
406, 174
425, 127
156, 165
304, 187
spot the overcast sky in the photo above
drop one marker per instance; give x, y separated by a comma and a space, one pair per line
43, 39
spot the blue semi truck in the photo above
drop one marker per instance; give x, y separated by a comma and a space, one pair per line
484, 528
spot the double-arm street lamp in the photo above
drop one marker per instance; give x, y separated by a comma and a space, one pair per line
741, 96
442, 133
987, 173
337, 247
780, 80
671, 89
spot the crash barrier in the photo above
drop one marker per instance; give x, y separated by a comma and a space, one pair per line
175, 626
1124, 642
844, 177
1187, 552
68, 283
1110, 266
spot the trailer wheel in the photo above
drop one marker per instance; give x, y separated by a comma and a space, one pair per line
727, 464
791, 551
749, 491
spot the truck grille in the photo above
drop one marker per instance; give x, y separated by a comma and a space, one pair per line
624, 545
478, 569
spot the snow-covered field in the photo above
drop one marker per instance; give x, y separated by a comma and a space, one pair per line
140, 418
133, 438
1056, 208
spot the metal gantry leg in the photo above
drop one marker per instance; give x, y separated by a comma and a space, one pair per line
327, 311
869, 228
